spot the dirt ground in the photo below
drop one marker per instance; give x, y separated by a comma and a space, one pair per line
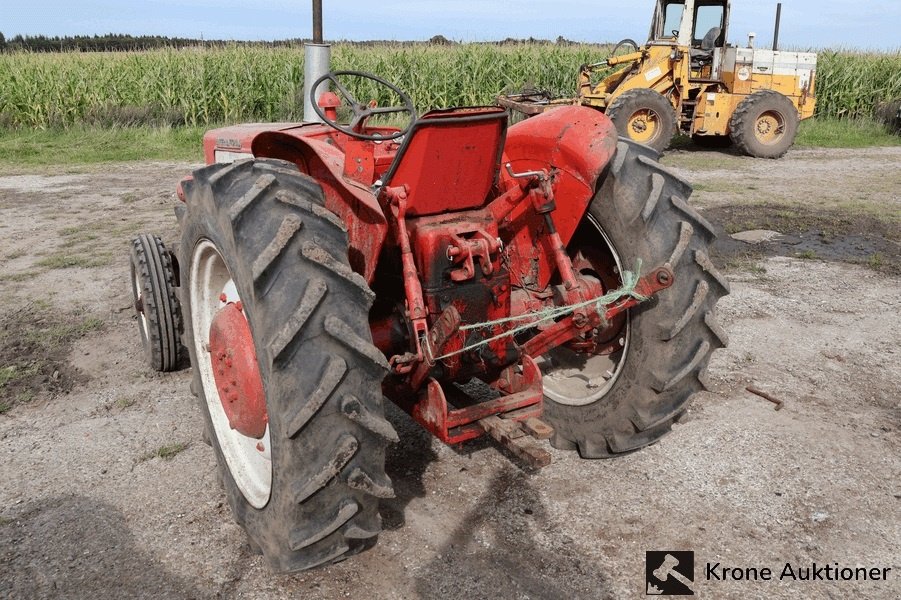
106, 489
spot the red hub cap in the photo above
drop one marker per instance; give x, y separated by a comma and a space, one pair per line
237, 372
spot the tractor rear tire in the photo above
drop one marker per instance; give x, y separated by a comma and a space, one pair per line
765, 124
153, 288
646, 117
285, 256
642, 212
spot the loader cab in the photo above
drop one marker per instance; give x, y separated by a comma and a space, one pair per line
696, 24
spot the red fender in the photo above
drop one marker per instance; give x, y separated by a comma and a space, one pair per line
574, 142
352, 201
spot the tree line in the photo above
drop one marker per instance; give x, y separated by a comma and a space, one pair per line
115, 42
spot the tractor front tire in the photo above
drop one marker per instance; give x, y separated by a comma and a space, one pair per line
641, 211
765, 125
644, 116
153, 288
258, 230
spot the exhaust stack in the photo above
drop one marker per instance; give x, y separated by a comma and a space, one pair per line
316, 63
776, 33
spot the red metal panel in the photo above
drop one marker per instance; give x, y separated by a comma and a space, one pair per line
351, 200
237, 372
454, 425
450, 160
238, 138
574, 144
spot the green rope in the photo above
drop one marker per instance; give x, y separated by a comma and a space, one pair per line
627, 289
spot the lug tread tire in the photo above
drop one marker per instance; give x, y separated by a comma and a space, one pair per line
151, 263
743, 120
321, 372
631, 101
671, 336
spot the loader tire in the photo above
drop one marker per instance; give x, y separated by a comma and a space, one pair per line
258, 230
764, 125
644, 116
153, 288
641, 211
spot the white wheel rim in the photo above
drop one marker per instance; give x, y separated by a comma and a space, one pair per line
139, 291
578, 379
250, 467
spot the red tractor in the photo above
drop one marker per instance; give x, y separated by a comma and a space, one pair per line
546, 279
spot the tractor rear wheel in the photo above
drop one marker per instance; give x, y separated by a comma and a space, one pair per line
644, 116
287, 376
603, 405
153, 285
765, 124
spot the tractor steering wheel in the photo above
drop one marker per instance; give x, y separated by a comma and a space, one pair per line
362, 112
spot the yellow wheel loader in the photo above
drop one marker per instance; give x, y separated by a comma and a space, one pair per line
687, 78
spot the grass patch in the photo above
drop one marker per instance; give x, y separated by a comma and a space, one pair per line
748, 261
93, 244
4, 407
167, 452
68, 261
125, 402
709, 160
66, 331
807, 255
12, 374
723, 186
735, 226
844, 133
88, 145
881, 263
25, 397
875, 261
20, 276
34, 346
6, 374
85, 145
745, 264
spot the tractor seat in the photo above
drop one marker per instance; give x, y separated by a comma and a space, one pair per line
704, 55
450, 159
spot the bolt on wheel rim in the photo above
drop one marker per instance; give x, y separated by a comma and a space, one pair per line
643, 125
249, 459
575, 378
770, 127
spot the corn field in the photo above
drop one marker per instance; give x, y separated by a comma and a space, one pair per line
852, 84
246, 83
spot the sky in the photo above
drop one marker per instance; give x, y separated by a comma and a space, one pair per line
867, 24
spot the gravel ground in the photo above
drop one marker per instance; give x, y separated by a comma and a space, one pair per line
89, 508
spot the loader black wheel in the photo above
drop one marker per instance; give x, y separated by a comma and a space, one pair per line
765, 124
644, 116
607, 404
153, 285
284, 365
